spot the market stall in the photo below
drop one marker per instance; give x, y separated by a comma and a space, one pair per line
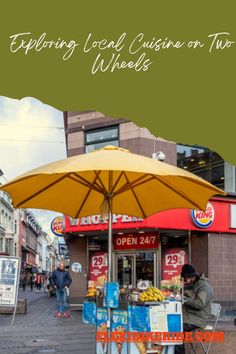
142, 322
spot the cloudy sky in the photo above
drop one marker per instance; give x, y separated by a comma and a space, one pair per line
31, 134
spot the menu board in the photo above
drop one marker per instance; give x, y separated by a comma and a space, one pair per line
166, 317
9, 279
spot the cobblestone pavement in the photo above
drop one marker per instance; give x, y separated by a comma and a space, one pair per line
40, 332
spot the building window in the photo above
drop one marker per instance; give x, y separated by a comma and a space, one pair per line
98, 138
202, 162
1, 244
9, 246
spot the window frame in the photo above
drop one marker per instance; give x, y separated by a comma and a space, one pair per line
102, 129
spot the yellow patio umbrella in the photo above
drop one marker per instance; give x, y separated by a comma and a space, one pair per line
109, 180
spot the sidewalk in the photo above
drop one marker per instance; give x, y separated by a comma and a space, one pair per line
40, 332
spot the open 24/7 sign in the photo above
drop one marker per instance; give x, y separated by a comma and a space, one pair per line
136, 241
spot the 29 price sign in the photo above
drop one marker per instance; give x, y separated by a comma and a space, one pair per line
99, 260
172, 261
175, 259
98, 265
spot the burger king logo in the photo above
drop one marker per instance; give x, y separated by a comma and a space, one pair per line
57, 226
205, 218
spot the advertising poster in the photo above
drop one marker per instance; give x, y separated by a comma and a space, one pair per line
173, 259
101, 326
89, 312
98, 267
111, 295
9, 278
119, 324
139, 321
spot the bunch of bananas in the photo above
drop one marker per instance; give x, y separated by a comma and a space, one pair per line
152, 294
92, 292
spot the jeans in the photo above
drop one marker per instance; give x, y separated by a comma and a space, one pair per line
61, 296
187, 327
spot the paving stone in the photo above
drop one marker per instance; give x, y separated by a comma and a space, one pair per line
39, 331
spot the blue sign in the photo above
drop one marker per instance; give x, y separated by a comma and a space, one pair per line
112, 295
89, 312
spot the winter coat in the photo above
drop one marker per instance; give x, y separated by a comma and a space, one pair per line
61, 278
197, 307
39, 279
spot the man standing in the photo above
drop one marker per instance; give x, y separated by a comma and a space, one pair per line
198, 295
61, 280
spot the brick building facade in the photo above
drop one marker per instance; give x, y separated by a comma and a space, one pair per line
210, 250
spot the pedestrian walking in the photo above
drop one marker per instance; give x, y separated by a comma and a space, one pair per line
31, 282
38, 281
45, 284
61, 280
24, 281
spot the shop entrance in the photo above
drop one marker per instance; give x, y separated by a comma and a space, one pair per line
130, 268
125, 274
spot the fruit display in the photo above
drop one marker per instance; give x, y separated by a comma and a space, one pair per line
92, 292
152, 294
166, 292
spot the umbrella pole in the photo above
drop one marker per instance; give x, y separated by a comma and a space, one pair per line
109, 276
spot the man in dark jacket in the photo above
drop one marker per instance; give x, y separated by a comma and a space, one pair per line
198, 295
61, 280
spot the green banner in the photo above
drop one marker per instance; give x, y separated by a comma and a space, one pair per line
166, 65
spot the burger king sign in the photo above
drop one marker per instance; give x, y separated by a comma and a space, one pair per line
57, 226
202, 218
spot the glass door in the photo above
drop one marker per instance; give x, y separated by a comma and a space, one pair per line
130, 268
146, 267
124, 272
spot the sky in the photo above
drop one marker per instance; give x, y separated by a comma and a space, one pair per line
31, 135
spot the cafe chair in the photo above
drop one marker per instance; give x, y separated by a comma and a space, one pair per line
215, 314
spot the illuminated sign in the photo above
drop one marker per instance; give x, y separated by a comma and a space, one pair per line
205, 218
57, 226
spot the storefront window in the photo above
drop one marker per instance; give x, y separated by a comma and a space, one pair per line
145, 266
98, 138
203, 162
